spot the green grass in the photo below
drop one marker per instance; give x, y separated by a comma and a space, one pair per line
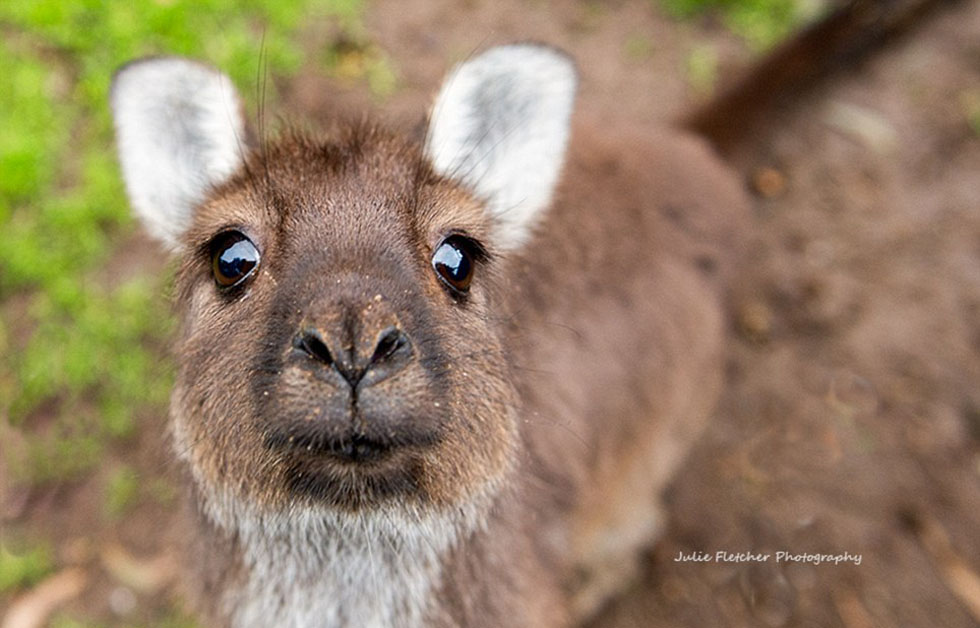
761, 23
355, 58
122, 491
63, 621
970, 101
173, 620
22, 569
80, 345
701, 69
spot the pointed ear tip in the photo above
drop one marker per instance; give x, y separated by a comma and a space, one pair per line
140, 64
121, 75
130, 70
160, 64
552, 51
539, 51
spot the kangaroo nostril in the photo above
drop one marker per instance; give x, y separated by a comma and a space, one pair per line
310, 342
359, 358
389, 342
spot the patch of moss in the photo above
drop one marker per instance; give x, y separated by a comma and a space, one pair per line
121, 491
701, 69
23, 569
761, 23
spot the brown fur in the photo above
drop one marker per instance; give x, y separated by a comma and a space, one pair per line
572, 379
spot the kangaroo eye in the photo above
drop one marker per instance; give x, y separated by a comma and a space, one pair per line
233, 258
453, 262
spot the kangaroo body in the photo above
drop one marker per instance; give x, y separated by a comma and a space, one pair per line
436, 383
629, 263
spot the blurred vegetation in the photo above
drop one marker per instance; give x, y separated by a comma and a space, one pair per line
970, 100
173, 620
24, 568
122, 491
701, 69
761, 23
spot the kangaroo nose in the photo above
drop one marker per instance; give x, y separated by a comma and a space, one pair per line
370, 362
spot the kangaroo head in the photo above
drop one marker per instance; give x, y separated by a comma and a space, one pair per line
339, 297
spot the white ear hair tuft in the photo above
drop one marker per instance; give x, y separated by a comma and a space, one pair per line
180, 131
500, 125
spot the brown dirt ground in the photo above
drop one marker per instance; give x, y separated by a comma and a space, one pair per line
852, 422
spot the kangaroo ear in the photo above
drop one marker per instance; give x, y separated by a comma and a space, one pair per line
500, 126
180, 132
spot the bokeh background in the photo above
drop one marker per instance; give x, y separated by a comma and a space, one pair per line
853, 417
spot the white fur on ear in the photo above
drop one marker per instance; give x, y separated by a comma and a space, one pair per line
180, 131
500, 125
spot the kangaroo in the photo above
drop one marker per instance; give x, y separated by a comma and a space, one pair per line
438, 380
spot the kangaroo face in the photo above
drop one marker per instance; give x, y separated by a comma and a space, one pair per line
339, 344
339, 347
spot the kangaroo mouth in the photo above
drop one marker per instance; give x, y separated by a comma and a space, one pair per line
351, 448
350, 470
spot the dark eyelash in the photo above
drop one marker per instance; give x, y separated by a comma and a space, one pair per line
477, 249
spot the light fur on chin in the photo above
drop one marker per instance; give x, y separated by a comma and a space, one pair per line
311, 566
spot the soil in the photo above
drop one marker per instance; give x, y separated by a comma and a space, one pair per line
852, 418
